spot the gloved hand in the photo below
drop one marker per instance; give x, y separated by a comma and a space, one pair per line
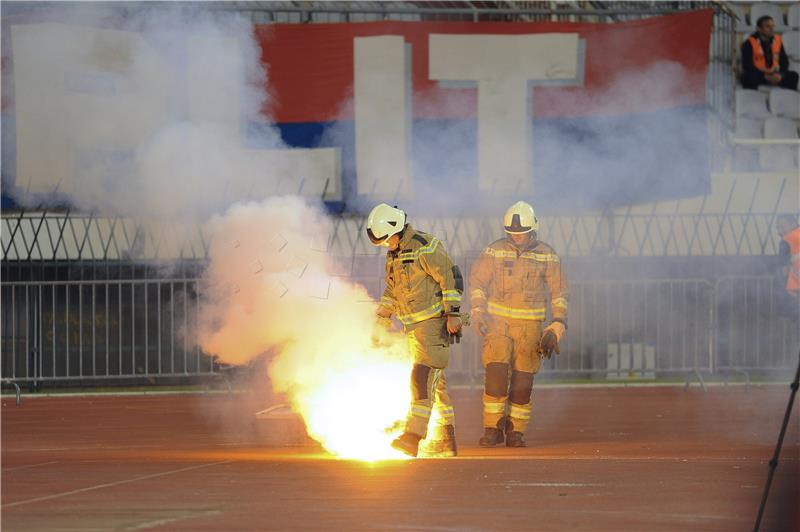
479, 320
550, 338
453, 324
380, 330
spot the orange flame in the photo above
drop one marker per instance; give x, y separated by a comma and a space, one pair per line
274, 289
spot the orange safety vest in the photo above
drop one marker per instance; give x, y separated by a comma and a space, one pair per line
793, 279
759, 61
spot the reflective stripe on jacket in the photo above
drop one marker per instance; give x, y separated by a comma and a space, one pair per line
514, 283
421, 280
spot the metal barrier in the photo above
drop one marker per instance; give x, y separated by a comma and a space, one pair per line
620, 330
757, 325
92, 330
55, 331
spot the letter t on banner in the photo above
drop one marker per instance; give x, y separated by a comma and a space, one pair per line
505, 67
382, 95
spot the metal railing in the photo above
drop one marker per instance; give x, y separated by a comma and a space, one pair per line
620, 330
142, 330
757, 324
38, 237
101, 330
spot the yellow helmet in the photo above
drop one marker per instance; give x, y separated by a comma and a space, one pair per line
520, 219
383, 222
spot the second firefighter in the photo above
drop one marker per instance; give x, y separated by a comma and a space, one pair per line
510, 283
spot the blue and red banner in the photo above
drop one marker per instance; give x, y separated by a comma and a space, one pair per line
635, 130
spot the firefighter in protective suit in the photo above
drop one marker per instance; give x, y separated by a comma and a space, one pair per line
509, 285
423, 289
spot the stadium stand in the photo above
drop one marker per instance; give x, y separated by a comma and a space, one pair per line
769, 113
779, 157
767, 9
794, 16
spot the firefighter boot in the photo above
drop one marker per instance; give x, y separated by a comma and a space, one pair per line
442, 447
493, 435
514, 438
407, 443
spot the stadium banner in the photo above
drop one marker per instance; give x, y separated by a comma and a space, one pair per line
457, 116
573, 114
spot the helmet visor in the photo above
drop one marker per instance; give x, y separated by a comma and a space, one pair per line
378, 241
516, 227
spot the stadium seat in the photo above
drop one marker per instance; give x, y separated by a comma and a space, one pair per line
751, 104
791, 43
780, 128
769, 9
794, 16
741, 25
785, 102
779, 157
748, 128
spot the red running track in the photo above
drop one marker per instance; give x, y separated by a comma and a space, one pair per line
599, 459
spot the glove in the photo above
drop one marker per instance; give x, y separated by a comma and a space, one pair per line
380, 330
550, 338
481, 325
453, 329
453, 324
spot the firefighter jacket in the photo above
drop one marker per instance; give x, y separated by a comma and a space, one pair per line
421, 280
509, 282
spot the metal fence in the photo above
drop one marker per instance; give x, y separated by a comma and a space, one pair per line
142, 330
621, 330
100, 330
757, 325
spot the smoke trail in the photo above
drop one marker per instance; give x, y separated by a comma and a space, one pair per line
271, 285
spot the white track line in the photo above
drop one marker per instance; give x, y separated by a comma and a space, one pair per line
111, 484
6, 470
170, 520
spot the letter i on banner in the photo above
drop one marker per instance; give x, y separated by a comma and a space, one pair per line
504, 68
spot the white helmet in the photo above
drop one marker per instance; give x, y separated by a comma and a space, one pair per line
383, 222
520, 219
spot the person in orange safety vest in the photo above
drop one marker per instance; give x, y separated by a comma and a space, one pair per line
790, 252
764, 59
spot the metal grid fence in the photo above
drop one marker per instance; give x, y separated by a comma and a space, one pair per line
55, 331
91, 330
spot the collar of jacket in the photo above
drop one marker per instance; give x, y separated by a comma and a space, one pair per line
530, 247
768, 40
405, 239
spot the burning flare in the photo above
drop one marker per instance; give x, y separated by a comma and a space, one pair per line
272, 286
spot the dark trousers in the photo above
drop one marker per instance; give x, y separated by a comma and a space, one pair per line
751, 80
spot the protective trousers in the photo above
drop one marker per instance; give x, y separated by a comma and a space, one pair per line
430, 347
510, 353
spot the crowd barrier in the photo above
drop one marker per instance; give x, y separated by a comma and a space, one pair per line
644, 329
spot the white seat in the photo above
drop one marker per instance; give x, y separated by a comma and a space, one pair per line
780, 128
794, 16
741, 25
748, 128
779, 157
751, 104
785, 102
791, 43
769, 9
